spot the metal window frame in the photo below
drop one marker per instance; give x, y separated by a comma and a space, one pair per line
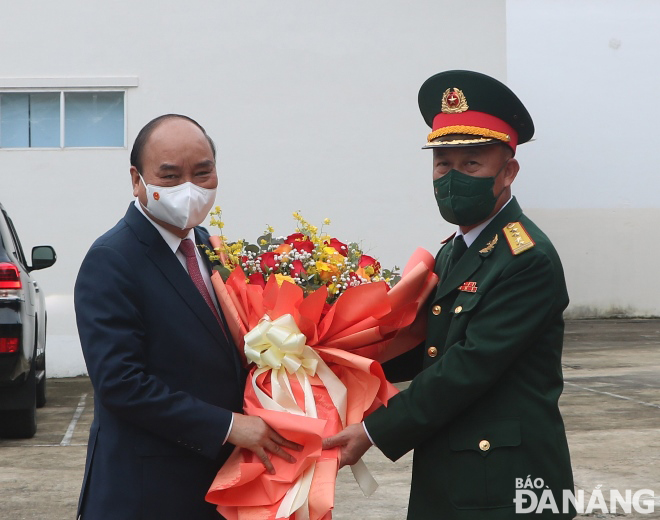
64, 85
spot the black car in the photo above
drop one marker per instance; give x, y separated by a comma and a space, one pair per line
22, 333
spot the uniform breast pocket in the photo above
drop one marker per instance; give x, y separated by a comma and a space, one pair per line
465, 304
461, 311
485, 461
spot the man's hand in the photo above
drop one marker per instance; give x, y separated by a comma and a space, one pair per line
255, 435
352, 441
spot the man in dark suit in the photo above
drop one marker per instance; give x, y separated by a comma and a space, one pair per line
481, 412
167, 378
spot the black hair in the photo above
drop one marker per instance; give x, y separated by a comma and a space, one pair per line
148, 129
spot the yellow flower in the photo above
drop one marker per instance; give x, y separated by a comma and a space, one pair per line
326, 221
217, 209
327, 271
281, 278
270, 229
362, 274
331, 255
332, 289
220, 224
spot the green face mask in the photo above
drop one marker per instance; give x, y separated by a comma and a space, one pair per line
465, 200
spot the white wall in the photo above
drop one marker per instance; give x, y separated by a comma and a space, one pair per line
587, 71
313, 106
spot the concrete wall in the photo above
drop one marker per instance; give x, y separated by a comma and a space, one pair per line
586, 72
313, 106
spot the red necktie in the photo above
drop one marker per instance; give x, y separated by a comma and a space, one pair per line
187, 247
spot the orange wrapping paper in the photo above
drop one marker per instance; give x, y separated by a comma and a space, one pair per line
367, 325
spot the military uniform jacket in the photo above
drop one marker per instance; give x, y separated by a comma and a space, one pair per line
483, 412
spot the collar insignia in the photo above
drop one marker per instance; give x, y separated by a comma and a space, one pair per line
489, 246
453, 101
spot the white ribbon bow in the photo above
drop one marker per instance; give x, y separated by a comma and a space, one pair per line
278, 343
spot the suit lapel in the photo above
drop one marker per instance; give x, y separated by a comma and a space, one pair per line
202, 238
472, 259
168, 264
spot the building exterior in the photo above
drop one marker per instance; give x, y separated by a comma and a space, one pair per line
313, 108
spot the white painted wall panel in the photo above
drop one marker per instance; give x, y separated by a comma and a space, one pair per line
587, 73
313, 106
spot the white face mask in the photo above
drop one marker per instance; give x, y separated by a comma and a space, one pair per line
184, 206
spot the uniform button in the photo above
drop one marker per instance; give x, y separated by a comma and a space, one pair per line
436, 309
484, 445
458, 309
432, 351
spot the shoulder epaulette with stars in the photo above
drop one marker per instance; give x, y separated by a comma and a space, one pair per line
518, 238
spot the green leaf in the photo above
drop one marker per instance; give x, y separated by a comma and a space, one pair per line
224, 272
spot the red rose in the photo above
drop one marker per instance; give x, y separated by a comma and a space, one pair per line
257, 279
297, 269
304, 245
369, 261
295, 237
300, 242
267, 261
340, 247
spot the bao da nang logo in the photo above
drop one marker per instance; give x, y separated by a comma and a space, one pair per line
533, 496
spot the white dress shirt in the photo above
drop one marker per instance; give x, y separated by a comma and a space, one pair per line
173, 242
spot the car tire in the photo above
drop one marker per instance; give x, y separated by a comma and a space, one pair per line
21, 424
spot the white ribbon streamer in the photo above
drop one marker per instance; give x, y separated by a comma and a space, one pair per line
279, 346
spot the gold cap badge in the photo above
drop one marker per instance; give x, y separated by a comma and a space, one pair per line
453, 101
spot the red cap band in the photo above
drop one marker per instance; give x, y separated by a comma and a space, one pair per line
475, 123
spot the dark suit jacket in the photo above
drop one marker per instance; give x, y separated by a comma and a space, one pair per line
165, 379
495, 375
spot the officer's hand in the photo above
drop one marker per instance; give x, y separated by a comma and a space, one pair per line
353, 443
255, 435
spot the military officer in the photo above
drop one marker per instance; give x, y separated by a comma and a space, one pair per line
481, 412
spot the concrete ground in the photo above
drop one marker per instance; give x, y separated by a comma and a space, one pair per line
611, 407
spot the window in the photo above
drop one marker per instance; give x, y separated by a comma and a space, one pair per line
62, 119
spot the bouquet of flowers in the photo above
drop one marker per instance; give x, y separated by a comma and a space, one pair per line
313, 317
